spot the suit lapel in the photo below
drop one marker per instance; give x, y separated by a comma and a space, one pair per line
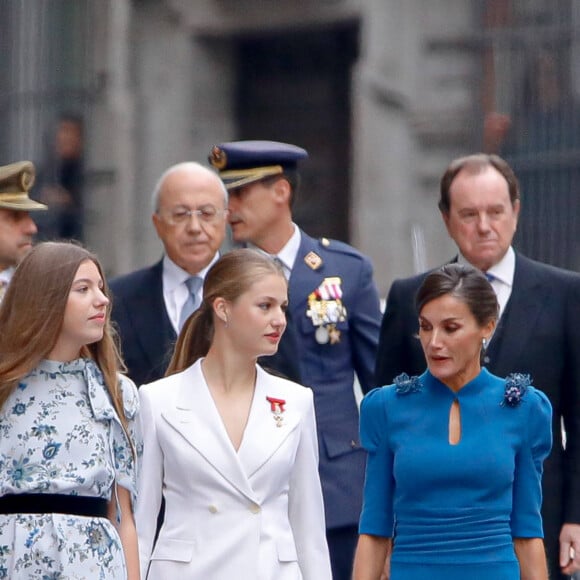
196, 419
262, 436
516, 327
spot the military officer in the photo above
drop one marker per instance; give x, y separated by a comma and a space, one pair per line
17, 228
334, 308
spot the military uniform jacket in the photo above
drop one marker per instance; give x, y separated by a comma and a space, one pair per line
329, 368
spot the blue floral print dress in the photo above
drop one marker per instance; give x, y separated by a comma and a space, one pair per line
60, 434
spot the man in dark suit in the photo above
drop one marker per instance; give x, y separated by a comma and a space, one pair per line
538, 331
150, 305
334, 305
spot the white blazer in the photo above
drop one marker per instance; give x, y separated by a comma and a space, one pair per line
256, 514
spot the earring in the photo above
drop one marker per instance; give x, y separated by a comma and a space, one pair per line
225, 320
484, 343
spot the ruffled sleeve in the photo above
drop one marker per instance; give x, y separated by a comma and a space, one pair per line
377, 511
526, 521
124, 446
127, 451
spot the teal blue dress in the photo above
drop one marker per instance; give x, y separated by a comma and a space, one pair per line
453, 510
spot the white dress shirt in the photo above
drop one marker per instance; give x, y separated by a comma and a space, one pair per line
175, 291
503, 277
287, 255
5, 277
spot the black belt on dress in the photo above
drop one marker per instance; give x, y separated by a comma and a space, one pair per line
52, 503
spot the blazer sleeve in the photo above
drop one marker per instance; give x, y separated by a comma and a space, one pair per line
364, 326
397, 342
120, 316
150, 480
129, 342
377, 512
305, 503
570, 406
526, 521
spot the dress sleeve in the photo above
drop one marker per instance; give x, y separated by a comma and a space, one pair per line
377, 511
526, 521
127, 452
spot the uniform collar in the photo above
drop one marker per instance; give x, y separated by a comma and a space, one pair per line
287, 255
6, 275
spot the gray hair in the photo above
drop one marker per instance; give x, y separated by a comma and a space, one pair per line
192, 165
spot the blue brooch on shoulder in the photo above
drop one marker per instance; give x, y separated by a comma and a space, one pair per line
404, 384
516, 385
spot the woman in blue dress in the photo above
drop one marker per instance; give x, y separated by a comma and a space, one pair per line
453, 477
67, 438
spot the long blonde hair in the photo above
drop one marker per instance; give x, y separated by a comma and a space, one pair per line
230, 277
32, 314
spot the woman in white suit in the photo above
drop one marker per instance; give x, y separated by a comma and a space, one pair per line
231, 448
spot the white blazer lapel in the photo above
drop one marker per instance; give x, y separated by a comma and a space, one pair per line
196, 418
263, 436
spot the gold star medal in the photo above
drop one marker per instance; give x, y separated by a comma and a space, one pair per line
333, 334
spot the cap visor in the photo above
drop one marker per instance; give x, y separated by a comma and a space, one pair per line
29, 205
234, 178
234, 183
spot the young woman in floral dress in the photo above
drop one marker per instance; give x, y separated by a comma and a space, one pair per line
67, 431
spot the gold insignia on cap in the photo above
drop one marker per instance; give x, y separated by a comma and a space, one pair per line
15, 181
313, 260
325, 242
26, 178
218, 157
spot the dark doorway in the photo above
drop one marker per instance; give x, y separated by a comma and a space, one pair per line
295, 87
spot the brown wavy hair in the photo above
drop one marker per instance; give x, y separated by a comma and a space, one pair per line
32, 314
230, 277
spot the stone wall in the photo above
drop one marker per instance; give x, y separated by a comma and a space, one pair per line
414, 95
172, 91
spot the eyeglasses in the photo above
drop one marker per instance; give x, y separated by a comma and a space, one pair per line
206, 214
